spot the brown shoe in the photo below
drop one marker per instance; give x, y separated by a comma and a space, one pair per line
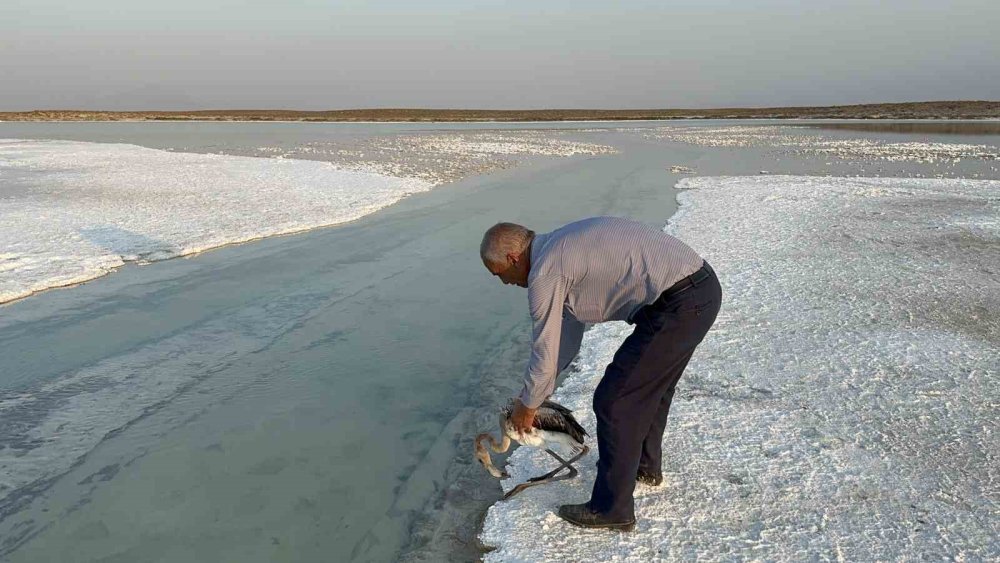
581, 515
651, 479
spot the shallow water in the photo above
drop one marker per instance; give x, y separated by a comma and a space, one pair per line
312, 391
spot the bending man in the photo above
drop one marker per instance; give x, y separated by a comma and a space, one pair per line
609, 269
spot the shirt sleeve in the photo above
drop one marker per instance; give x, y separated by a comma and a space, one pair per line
546, 298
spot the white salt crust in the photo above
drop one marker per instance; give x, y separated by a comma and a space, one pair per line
73, 211
844, 405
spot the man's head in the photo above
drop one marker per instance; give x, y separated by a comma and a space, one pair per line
505, 251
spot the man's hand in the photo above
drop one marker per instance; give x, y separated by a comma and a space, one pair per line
522, 418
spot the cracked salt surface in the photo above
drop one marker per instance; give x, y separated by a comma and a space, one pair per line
73, 211
844, 405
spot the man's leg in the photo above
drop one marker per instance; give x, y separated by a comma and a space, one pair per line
626, 403
629, 395
651, 461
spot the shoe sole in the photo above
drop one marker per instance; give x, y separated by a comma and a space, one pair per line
624, 527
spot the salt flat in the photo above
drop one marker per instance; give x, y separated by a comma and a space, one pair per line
219, 407
843, 407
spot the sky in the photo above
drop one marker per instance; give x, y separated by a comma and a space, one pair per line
317, 55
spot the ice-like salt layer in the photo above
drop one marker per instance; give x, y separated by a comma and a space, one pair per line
844, 405
72, 211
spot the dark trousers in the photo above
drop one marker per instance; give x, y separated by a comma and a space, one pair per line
633, 398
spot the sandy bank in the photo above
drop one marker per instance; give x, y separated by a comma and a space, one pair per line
911, 110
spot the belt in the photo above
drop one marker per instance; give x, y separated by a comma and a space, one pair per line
694, 280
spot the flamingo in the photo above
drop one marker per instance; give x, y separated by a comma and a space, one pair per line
553, 424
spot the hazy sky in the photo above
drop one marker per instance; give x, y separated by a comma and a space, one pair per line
313, 54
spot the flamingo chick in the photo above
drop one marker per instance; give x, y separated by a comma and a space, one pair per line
553, 424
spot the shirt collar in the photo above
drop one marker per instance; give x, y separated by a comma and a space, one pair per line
536, 252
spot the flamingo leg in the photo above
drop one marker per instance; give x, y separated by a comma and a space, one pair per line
563, 465
551, 476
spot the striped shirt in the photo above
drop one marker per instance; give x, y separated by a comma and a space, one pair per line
594, 270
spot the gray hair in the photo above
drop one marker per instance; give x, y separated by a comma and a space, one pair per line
503, 239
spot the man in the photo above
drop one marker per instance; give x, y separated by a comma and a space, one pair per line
604, 269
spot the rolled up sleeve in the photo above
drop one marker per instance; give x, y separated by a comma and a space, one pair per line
546, 298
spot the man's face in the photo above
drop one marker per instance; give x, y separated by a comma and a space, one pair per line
512, 272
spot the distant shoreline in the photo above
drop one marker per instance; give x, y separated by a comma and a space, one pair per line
911, 110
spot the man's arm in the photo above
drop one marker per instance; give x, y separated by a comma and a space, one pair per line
569, 344
546, 298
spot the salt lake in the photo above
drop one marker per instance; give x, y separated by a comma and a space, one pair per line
312, 396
